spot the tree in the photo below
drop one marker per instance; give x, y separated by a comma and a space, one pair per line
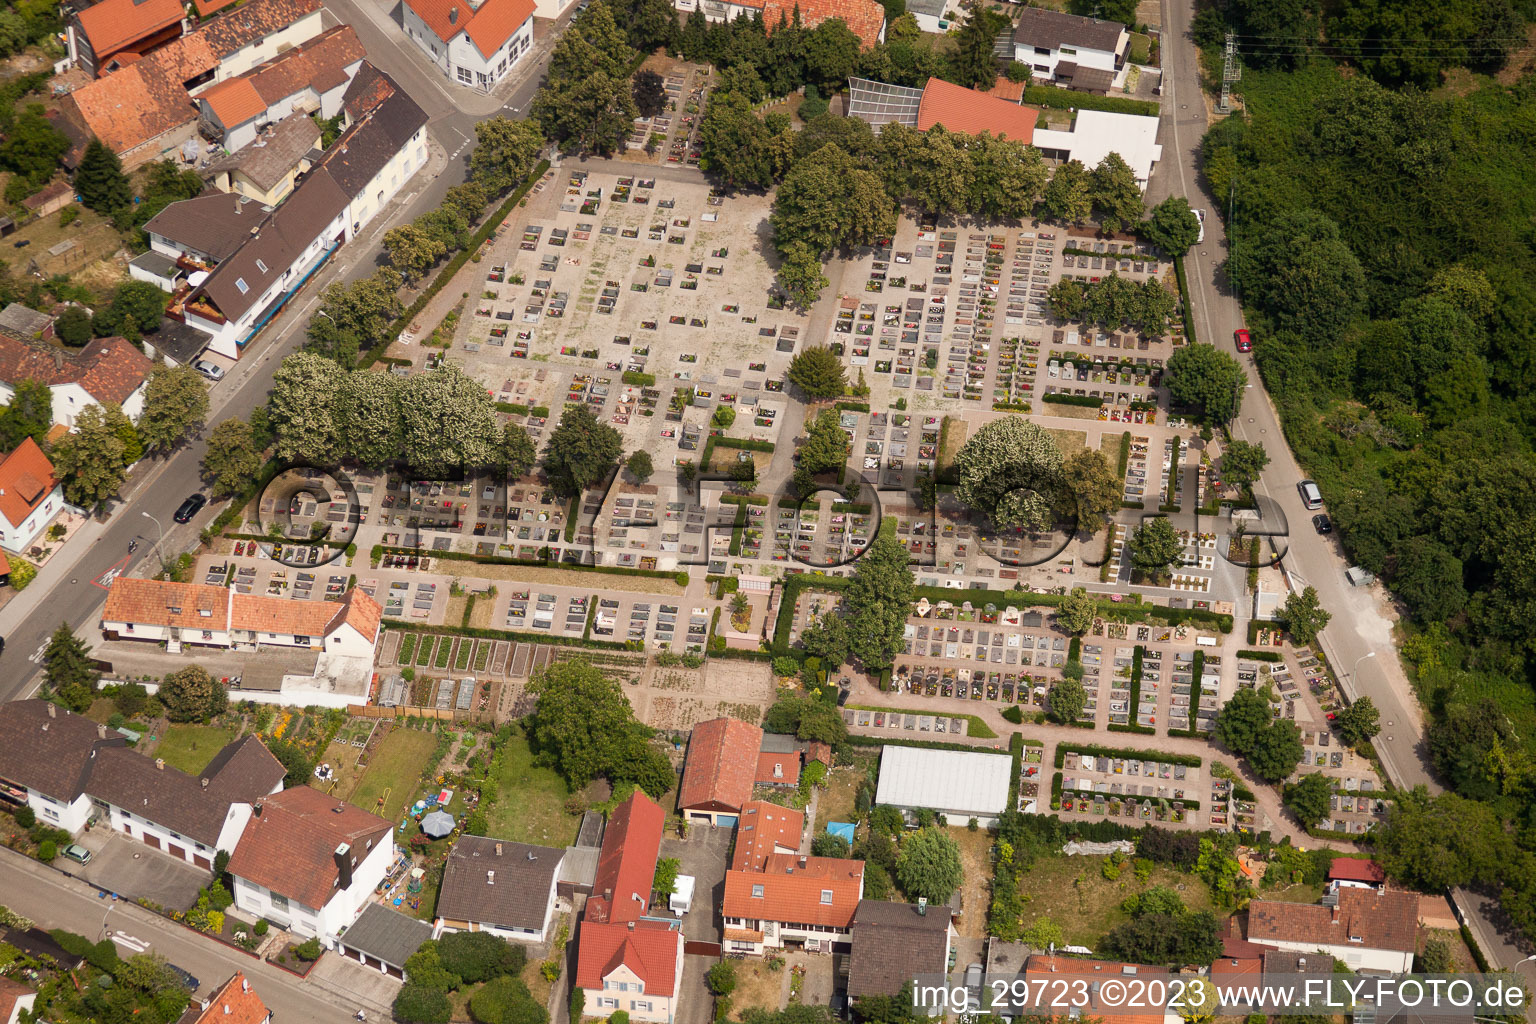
1308, 798
73, 326
135, 305
648, 24
929, 865
581, 451
586, 99
175, 405
1207, 379
1301, 273
1067, 196
469, 198
33, 146
639, 465
361, 311
721, 978
415, 1003
825, 447
1242, 719
506, 1000
737, 146
1008, 470
1068, 700
412, 250
1165, 939
368, 417
800, 275
879, 599
1009, 177
296, 763
1303, 617
1172, 226
1091, 487
1435, 843
584, 728
650, 92
28, 414
972, 64
1358, 722
828, 844
1243, 461
518, 454
827, 638
479, 956
1277, 752
1429, 578
301, 408
1155, 547
100, 179
1077, 611
448, 422
1115, 195
665, 881
92, 460
1159, 899
505, 152
819, 373
829, 202
192, 695
941, 178
1043, 933
68, 670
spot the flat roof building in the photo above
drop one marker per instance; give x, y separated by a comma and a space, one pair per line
959, 784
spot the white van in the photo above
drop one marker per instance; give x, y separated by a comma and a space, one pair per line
1310, 495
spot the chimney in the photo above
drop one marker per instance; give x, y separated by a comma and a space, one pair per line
245, 984
205, 783
532, 856
453, 16
631, 926
256, 808
922, 906
1301, 961
802, 862
498, 849
160, 764
53, 709
344, 864
101, 731
1335, 913
490, 878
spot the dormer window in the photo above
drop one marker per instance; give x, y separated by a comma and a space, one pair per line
826, 896
757, 892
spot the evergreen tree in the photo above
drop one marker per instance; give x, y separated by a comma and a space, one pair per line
100, 179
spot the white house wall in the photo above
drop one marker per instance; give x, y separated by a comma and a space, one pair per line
18, 537
264, 49
1356, 956
71, 817
389, 181
182, 847
461, 61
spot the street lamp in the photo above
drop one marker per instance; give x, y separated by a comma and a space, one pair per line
1354, 673
161, 541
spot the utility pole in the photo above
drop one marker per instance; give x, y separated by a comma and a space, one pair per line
1231, 71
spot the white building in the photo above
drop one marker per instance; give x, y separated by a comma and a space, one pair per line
475, 45
959, 784
1097, 133
1082, 53
105, 370
498, 886
1368, 929
45, 760
310, 862
806, 902
30, 496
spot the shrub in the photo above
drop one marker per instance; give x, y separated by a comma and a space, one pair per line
1013, 713
722, 978
262, 927
68, 216
309, 950
479, 956
26, 817
47, 850
506, 1001
418, 1004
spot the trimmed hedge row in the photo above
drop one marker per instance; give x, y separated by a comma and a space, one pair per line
851, 406
743, 499
1189, 315
1261, 655
1061, 398
1066, 99
1063, 749
635, 378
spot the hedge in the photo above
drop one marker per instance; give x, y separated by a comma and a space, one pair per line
535, 563
1011, 406
512, 409
1261, 655
887, 741
1125, 453
1016, 751
482, 633
1473, 948
743, 499
857, 508
635, 378
1189, 316
1062, 398
1066, 99
852, 407
1187, 760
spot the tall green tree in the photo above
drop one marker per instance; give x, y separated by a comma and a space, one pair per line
1155, 547
1358, 722
412, 251
1068, 700
800, 275
505, 153
1300, 272
827, 202
1243, 461
448, 422
301, 407
1172, 226
28, 414
581, 451
175, 406
1208, 379
192, 695
138, 301
231, 460
819, 373
1077, 611
1091, 488
69, 672
1068, 196
367, 413
929, 866
1115, 195
584, 728
737, 146
972, 63
1009, 471
1308, 798
91, 461
1303, 617
100, 179
879, 599
73, 327
518, 454
33, 146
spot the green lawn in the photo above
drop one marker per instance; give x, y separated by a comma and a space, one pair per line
191, 747
1089, 908
530, 801
394, 772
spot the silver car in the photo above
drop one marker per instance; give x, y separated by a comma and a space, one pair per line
209, 370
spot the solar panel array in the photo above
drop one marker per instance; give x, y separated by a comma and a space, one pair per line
879, 103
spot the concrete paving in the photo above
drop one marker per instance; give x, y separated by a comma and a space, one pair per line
123, 865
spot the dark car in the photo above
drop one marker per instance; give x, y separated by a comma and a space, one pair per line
189, 508
1322, 524
188, 981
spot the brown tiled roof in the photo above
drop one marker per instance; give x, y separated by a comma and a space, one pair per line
721, 765
1354, 869
236, 1002
11, 992
164, 603
649, 948
269, 159
1038, 26
488, 28
216, 223
892, 942
960, 109
1004, 89
1049, 968
865, 18
1379, 920
793, 888
264, 614
289, 845
498, 882
114, 25
627, 865
49, 754
775, 769
369, 88
26, 480
109, 369
763, 828
319, 64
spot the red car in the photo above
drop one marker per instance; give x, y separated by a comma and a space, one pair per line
1244, 340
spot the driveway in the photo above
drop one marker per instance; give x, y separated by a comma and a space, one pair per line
127, 867
351, 983
704, 856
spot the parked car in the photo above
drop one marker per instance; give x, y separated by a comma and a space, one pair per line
1310, 495
1244, 340
1321, 523
188, 980
209, 370
77, 853
189, 508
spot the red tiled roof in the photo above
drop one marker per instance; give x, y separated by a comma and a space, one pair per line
1004, 89
488, 28
960, 109
865, 18
207, 7
26, 480
289, 845
793, 888
319, 64
235, 102
1379, 920
151, 602
1354, 869
778, 769
721, 765
235, 1003
763, 828
649, 948
627, 864
11, 992
1044, 967
109, 369
362, 613
114, 25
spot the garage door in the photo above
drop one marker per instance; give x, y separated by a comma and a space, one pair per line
152, 841
726, 821
202, 862
175, 851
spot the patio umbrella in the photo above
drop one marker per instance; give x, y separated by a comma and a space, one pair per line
437, 824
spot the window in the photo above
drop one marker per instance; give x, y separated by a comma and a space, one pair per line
261, 266
635, 1004
1044, 51
1069, 50
757, 892
301, 640
826, 896
240, 283
465, 76
49, 812
279, 902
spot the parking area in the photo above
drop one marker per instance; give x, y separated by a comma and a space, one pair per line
704, 856
133, 870
363, 986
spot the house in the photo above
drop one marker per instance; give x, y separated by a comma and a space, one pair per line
1368, 929
1046, 975
938, 102
1353, 872
778, 769
495, 885
204, 231
383, 938
112, 34
793, 901
474, 44
865, 18
46, 754
189, 817
1069, 50
104, 371
764, 830
23, 323
310, 862
267, 169
14, 998
30, 496
211, 616
893, 942
720, 771
234, 1003
959, 784
54, 197
625, 959
147, 111
1243, 970
1097, 133
308, 79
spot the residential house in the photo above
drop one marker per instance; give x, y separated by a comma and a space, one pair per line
204, 231
310, 862
1095, 134
51, 199
1355, 873
189, 817
23, 323
496, 885
1243, 965
893, 942
1368, 929
865, 18
308, 79
210, 616
14, 999
234, 1003
764, 830
720, 770
147, 111
625, 959
384, 939
1069, 50
941, 103
778, 768
267, 169
30, 496
1043, 973
474, 44
45, 758
792, 902
105, 36
104, 371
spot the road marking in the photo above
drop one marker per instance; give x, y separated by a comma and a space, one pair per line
36, 657
135, 944
104, 581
